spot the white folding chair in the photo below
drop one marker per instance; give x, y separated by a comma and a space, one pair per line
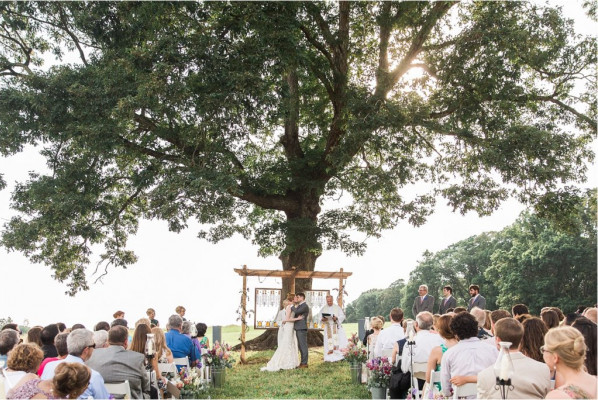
167, 368
468, 389
434, 377
385, 353
419, 370
183, 361
118, 389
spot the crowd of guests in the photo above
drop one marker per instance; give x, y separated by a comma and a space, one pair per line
553, 354
56, 362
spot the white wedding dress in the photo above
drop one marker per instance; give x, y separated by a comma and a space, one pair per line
285, 356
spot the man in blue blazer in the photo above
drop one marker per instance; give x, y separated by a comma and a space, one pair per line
477, 300
423, 302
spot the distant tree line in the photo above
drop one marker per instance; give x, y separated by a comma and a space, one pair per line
534, 261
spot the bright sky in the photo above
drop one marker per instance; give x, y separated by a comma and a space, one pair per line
179, 269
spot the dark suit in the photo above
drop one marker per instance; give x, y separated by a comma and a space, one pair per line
116, 364
300, 327
426, 305
479, 302
451, 302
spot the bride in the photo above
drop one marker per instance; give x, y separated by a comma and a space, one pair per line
285, 356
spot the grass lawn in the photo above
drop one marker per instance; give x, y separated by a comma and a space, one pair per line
320, 381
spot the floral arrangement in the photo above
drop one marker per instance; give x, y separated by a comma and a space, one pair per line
219, 356
189, 382
355, 352
380, 371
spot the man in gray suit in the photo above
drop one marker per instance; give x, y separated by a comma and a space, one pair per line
116, 364
301, 309
448, 301
477, 300
423, 302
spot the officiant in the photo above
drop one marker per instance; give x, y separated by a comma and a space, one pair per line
335, 339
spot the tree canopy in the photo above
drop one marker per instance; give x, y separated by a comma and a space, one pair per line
254, 118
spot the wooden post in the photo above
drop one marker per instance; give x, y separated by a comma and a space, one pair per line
293, 282
340, 290
243, 315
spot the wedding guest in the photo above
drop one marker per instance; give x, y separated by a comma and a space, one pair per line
570, 318
591, 314
70, 382
488, 323
145, 321
116, 364
559, 313
80, 346
47, 337
477, 300
550, 318
186, 328
100, 338
180, 345
151, 314
389, 336
138, 345
480, 316
425, 341
521, 318
77, 326
370, 331
443, 327
423, 302
458, 310
119, 315
376, 324
163, 353
181, 311
466, 358
61, 348
61, 326
563, 353
532, 378
194, 339
24, 358
119, 322
202, 328
34, 335
496, 316
102, 326
448, 301
12, 326
588, 330
9, 338
534, 330
519, 309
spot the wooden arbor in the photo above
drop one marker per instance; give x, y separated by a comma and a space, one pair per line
293, 274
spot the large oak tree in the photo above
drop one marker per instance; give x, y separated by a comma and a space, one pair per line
253, 118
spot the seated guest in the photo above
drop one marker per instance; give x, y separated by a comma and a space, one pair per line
570, 318
588, 330
496, 316
468, 357
117, 364
457, 310
425, 341
12, 326
61, 348
77, 326
444, 330
531, 379
119, 322
69, 382
480, 316
163, 353
533, 338
371, 330
138, 345
519, 309
488, 324
522, 317
80, 347
564, 352
180, 345
151, 314
591, 314
550, 318
61, 326
376, 324
23, 359
202, 328
559, 313
145, 321
100, 338
47, 337
391, 335
9, 338
34, 335
102, 326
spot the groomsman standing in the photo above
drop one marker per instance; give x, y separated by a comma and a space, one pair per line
448, 301
477, 300
423, 302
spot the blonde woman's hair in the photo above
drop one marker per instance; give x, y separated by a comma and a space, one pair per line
285, 303
70, 380
376, 323
568, 343
160, 341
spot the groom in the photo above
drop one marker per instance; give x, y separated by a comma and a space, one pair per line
301, 308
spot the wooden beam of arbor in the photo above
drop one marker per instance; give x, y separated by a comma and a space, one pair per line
293, 274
